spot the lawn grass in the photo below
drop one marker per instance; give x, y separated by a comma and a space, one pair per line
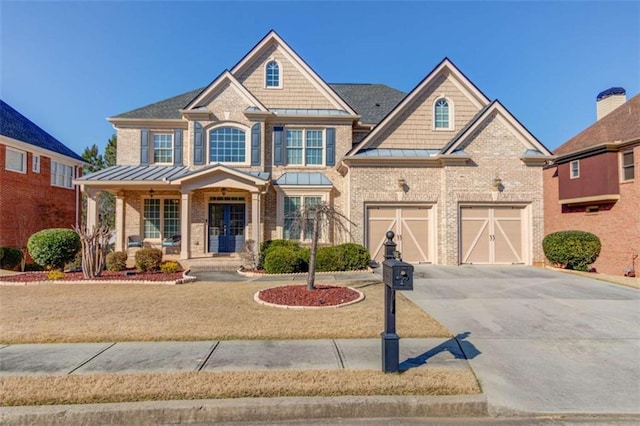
196, 311
103, 388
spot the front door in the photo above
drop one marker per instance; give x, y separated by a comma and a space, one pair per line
226, 228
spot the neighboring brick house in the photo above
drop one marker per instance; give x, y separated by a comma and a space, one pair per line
36, 174
454, 174
592, 187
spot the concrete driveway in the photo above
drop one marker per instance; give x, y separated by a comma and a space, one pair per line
540, 341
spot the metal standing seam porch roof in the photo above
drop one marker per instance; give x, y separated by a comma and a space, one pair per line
303, 179
155, 173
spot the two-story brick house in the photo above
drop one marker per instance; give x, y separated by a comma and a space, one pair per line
36, 173
454, 174
592, 187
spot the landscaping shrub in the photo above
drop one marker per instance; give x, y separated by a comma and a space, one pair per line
55, 275
327, 259
572, 249
265, 246
116, 261
148, 259
54, 247
33, 267
345, 257
75, 264
169, 267
285, 260
10, 258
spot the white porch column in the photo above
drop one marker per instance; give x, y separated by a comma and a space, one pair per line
120, 245
92, 209
185, 225
255, 218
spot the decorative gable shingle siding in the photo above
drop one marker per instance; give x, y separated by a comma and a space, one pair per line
296, 88
415, 127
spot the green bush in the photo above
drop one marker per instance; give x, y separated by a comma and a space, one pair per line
327, 259
148, 259
169, 267
75, 264
10, 258
54, 247
572, 249
265, 246
345, 257
285, 260
32, 267
116, 261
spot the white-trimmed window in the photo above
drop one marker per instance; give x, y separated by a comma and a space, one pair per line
272, 75
227, 145
61, 175
161, 218
628, 166
293, 228
35, 163
305, 146
15, 161
442, 114
575, 169
163, 148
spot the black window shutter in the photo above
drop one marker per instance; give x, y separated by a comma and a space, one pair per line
177, 147
198, 145
144, 147
255, 145
331, 146
277, 146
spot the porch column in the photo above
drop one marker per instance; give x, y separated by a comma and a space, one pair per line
185, 225
92, 209
120, 222
255, 218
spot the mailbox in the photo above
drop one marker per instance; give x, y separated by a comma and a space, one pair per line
398, 275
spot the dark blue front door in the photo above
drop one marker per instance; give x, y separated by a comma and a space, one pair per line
226, 228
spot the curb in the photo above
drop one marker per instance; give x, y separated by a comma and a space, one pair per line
248, 409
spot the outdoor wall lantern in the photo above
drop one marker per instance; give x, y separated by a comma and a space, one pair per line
497, 184
401, 183
151, 192
224, 191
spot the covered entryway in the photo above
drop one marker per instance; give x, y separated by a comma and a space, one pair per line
412, 226
492, 234
226, 227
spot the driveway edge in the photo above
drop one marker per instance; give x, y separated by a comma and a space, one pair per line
247, 409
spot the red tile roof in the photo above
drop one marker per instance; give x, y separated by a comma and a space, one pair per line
622, 124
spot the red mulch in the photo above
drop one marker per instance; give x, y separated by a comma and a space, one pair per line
105, 276
298, 295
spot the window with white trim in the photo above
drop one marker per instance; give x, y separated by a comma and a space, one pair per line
227, 145
61, 175
575, 169
305, 146
293, 228
272, 74
161, 218
163, 148
15, 161
628, 166
441, 114
35, 163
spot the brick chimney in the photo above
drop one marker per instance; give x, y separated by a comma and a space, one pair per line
610, 99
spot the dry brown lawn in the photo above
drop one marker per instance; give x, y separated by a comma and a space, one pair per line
81, 389
196, 311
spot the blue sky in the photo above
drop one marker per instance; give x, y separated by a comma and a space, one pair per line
68, 66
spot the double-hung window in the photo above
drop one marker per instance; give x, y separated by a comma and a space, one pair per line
15, 160
227, 145
305, 146
295, 228
163, 148
575, 169
161, 218
628, 166
61, 175
35, 166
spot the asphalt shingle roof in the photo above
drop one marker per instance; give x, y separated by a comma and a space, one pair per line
622, 124
372, 101
16, 126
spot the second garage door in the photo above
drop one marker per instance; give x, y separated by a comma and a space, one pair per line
411, 224
491, 235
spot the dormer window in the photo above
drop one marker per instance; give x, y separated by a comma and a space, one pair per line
272, 74
441, 117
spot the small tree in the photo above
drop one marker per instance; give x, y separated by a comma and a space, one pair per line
312, 218
95, 245
54, 247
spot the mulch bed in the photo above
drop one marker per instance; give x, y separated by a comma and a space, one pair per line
105, 276
298, 295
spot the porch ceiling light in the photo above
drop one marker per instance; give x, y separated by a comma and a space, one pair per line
151, 192
224, 191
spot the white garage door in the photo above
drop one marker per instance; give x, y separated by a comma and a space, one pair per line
491, 235
409, 223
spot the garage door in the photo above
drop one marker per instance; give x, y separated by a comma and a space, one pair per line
491, 235
409, 223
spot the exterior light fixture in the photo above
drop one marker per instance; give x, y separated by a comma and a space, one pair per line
497, 183
151, 192
401, 183
224, 191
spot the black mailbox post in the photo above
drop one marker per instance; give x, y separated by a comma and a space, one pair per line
397, 275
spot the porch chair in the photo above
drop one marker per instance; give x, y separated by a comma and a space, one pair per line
172, 244
134, 241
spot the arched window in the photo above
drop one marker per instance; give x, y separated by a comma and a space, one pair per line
441, 114
227, 145
272, 76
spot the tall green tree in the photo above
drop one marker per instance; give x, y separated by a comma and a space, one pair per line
92, 156
111, 150
106, 200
